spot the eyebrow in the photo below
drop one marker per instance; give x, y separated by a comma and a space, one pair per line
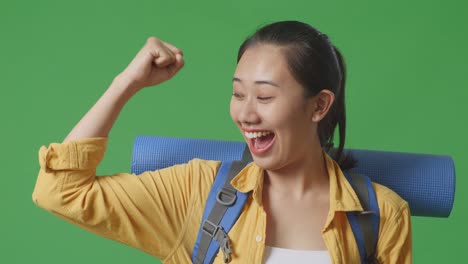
235, 79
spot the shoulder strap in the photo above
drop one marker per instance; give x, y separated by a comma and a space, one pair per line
222, 209
365, 224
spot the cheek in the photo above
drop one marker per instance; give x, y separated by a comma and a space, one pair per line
280, 114
273, 117
290, 119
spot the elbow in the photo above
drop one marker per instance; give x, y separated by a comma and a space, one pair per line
47, 193
75, 199
45, 199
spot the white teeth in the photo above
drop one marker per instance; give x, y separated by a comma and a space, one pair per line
256, 134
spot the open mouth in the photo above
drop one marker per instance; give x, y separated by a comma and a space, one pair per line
260, 141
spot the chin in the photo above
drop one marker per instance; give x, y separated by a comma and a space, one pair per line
266, 163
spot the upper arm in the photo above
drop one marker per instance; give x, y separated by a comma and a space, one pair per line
147, 211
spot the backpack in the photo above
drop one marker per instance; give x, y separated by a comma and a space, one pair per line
225, 204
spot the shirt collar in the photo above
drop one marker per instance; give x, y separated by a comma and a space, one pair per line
249, 179
342, 195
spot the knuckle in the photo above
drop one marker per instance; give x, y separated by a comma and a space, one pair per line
153, 39
165, 54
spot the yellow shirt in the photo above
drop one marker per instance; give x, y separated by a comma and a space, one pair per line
159, 212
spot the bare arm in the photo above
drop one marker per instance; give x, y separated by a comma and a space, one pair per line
99, 120
155, 63
138, 211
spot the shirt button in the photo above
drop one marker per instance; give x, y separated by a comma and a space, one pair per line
258, 238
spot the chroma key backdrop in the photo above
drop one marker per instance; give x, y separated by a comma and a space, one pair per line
406, 91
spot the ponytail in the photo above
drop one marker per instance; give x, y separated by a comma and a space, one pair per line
338, 117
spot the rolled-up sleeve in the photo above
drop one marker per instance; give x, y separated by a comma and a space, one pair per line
84, 154
146, 211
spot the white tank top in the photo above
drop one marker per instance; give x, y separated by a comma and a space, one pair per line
275, 255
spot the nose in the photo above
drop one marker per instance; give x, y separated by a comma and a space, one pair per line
248, 114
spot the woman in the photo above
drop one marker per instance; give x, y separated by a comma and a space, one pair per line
288, 98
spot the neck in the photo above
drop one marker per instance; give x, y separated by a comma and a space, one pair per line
304, 176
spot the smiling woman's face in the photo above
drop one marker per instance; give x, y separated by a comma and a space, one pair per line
270, 108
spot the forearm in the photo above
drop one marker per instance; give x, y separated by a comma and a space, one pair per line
155, 63
99, 120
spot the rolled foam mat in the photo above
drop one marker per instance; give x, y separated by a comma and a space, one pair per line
425, 181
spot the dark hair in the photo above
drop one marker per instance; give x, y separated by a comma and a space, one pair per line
316, 64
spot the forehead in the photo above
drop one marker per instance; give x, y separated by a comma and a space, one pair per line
263, 62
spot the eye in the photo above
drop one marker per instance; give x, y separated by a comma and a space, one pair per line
264, 98
237, 95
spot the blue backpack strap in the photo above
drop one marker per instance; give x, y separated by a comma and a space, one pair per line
365, 224
217, 185
222, 209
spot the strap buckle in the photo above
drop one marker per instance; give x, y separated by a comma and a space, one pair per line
226, 248
217, 233
226, 196
210, 228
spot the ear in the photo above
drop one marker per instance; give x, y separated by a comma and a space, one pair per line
322, 103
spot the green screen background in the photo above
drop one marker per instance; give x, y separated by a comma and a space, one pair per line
406, 92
